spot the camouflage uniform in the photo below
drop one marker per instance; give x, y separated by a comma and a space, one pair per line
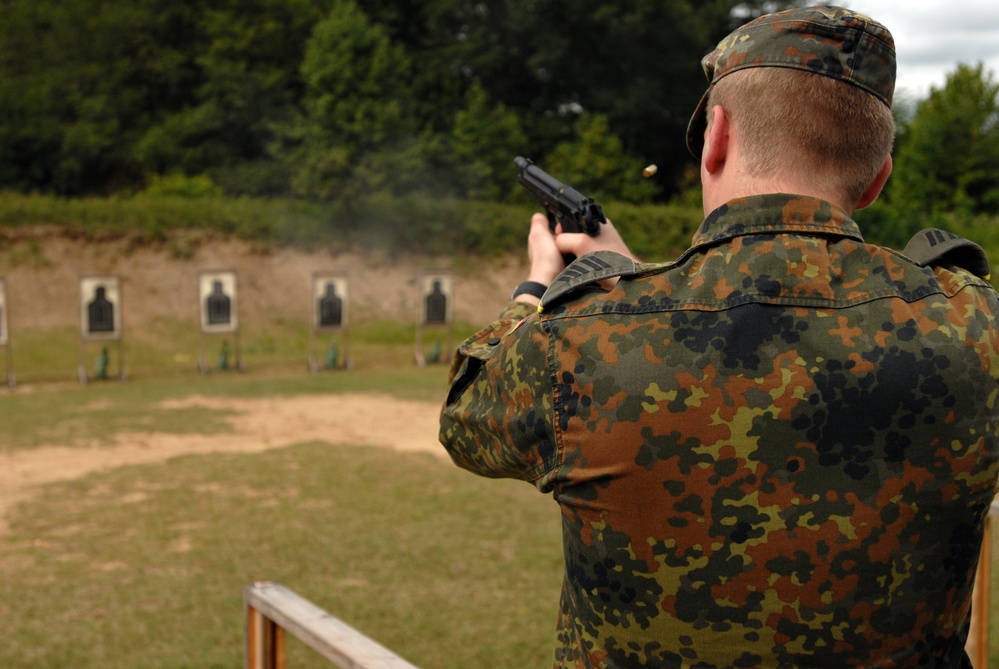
776, 451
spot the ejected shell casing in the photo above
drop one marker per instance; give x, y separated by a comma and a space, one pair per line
649, 171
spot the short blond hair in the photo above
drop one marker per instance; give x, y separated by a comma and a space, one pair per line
795, 123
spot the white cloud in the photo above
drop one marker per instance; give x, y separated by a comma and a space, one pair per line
933, 36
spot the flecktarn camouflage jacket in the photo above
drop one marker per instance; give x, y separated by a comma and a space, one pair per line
776, 451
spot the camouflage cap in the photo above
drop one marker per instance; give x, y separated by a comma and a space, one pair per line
830, 41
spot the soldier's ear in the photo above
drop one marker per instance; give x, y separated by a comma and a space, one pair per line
716, 140
874, 189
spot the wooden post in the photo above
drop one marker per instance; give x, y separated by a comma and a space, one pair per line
11, 379
265, 642
981, 601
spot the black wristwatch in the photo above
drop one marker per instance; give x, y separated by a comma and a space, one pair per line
529, 288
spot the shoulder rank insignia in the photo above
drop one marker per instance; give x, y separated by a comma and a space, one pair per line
586, 271
933, 246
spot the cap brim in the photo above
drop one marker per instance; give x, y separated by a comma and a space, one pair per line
698, 124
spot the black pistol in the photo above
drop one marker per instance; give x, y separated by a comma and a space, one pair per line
563, 204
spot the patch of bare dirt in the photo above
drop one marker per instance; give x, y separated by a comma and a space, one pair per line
257, 425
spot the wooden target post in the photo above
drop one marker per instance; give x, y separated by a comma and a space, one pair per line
101, 321
436, 308
330, 298
5, 333
219, 309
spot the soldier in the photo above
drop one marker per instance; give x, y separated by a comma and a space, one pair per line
779, 449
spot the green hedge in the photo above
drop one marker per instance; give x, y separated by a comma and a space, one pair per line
421, 224
417, 223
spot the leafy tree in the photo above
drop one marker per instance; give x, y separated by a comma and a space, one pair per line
357, 134
248, 86
635, 62
96, 94
596, 164
948, 160
92, 73
484, 140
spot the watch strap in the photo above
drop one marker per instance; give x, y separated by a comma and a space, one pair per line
534, 288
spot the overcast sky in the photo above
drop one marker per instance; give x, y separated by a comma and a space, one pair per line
933, 36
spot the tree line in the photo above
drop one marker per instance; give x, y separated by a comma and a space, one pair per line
946, 161
333, 99
354, 101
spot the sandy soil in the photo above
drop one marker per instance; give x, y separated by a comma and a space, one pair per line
257, 425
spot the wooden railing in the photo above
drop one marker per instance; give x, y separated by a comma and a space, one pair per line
981, 606
271, 609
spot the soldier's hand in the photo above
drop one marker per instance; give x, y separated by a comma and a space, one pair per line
546, 259
579, 244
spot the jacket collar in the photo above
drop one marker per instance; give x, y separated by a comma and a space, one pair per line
775, 213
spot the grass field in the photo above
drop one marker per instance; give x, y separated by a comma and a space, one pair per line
144, 566
172, 352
